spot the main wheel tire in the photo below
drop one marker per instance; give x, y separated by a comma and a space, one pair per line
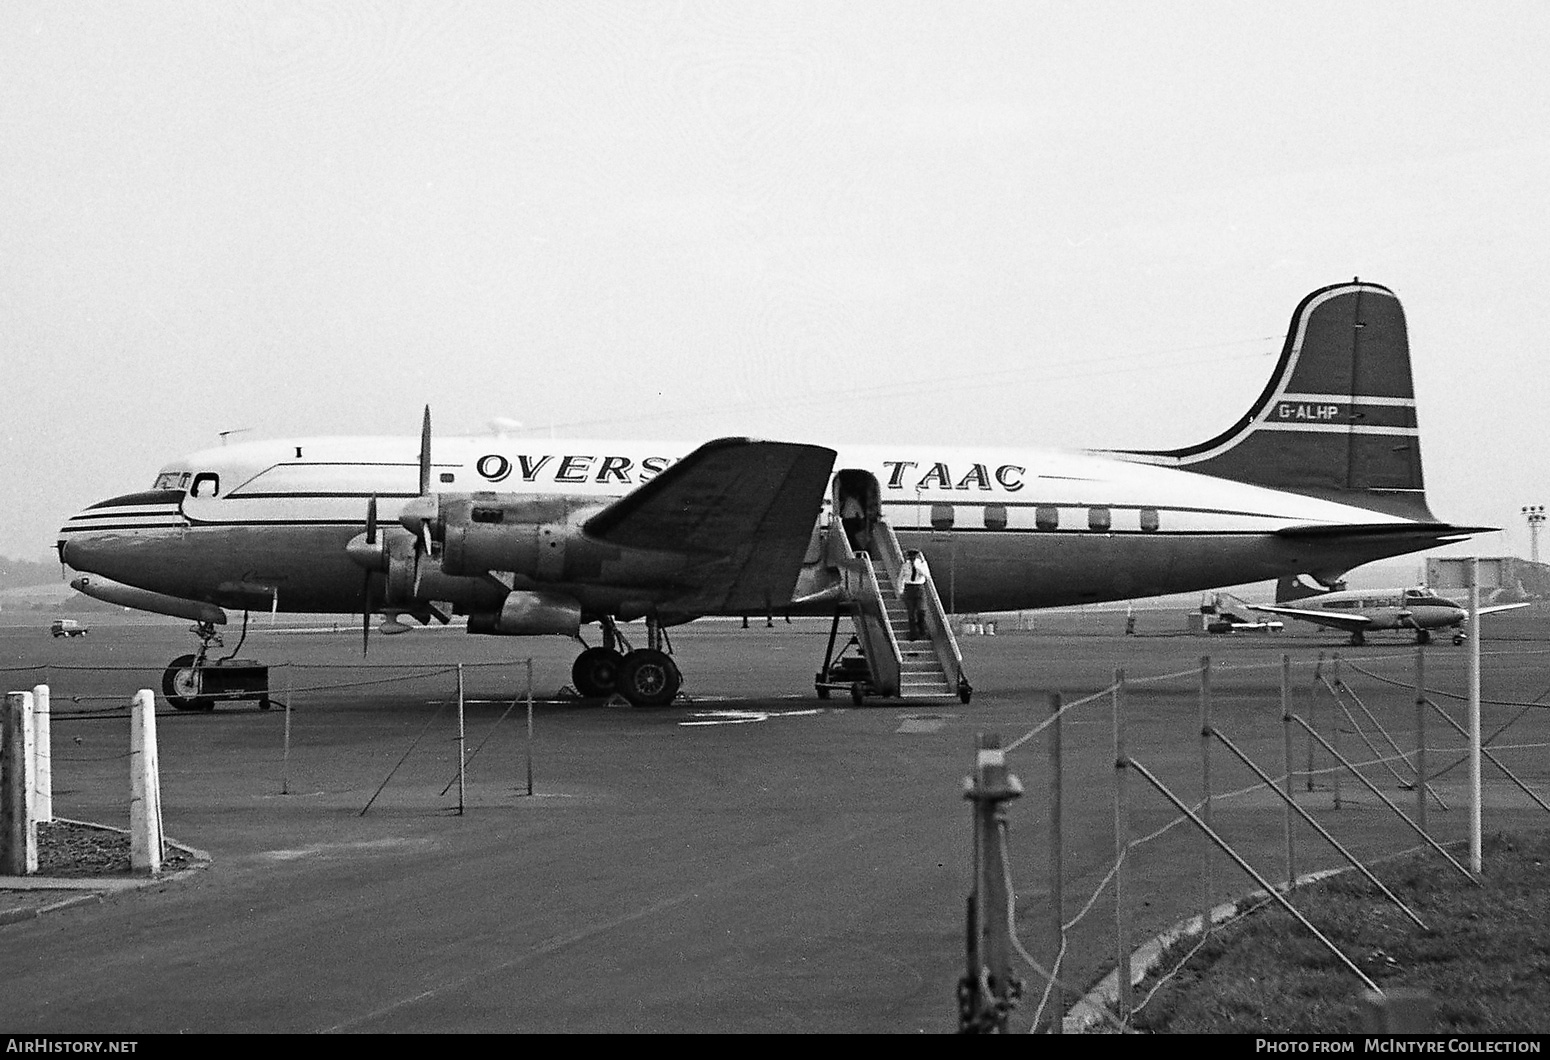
596, 672
649, 678
180, 684
1423, 636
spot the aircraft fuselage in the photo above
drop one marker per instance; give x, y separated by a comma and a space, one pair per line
265, 525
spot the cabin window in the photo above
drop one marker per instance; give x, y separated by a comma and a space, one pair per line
941, 517
487, 515
206, 484
1149, 519
447, 476
995, 517
1046, 517
1098, 519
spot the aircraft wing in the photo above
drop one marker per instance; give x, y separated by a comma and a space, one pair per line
1501, 607
1333, 619
742, 511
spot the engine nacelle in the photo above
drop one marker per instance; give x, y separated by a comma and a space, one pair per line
499, 532
530, 613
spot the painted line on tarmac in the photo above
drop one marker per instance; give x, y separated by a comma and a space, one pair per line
745, 717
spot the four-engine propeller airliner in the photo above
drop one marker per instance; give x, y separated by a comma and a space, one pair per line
1322, 474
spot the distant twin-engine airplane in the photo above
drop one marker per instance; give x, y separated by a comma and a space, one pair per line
1359, 612
1322, 474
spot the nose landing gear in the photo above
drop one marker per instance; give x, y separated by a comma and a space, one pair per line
183, 680
190, 682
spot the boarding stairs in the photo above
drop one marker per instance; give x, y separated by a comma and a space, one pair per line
890, 664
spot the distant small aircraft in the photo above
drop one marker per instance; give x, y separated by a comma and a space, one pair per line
1361, 611
1219, 620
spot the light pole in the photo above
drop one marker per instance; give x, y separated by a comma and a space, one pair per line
1535, 514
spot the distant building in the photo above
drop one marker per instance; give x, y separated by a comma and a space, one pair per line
1521, 580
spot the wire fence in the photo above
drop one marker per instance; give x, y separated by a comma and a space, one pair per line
296, 747
1302, 765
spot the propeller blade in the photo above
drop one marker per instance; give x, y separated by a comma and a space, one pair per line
425, 453
366, 616
371, 520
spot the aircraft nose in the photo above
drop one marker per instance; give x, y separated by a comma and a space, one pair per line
95, 538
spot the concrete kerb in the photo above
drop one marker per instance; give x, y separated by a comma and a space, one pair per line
1088, 1014
92, 888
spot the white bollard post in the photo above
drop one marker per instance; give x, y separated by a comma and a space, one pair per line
43, 769
18, 831
145, 839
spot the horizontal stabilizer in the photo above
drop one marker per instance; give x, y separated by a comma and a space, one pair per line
1441, 532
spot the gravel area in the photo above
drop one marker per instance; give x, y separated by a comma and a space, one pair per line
78, 850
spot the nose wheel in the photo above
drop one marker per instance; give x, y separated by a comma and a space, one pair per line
182, 682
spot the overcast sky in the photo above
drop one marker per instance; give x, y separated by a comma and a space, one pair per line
1060, 224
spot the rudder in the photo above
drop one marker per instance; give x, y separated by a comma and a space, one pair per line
1337, 419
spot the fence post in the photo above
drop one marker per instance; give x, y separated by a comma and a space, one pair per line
1318, 668
1420, 736
19, 829
1121, 854
145, 838
1286, 754
1207, 884
530, 725
43, 756
461, 744
1057, 901
988, 989
285, 760
1334, 724
1475, 864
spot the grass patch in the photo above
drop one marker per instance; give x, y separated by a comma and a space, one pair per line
1485, 960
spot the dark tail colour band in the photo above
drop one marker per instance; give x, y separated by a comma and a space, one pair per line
1337, 420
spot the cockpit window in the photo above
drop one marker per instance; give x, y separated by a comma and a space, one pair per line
172, 480
206, 484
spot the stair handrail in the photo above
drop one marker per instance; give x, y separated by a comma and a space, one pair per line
937, 622
885, 661
887, 543
942, 638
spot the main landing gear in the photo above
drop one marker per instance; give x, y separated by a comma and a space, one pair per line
647, 677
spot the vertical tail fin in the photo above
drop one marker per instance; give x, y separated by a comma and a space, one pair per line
1337, 419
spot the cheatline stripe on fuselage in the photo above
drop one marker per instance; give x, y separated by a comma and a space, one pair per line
126, 512
351, 523
965, 501
100, 527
